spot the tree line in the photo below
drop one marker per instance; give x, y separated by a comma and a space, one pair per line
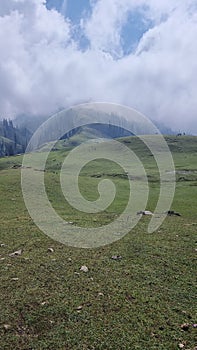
13, 140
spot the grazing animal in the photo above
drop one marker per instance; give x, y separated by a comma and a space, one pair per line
172, 212
144, 212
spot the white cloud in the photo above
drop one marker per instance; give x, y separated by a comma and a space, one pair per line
42, 68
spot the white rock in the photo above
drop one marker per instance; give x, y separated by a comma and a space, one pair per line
16, 253
144, 212
7, 327
116, 257
51, 250
147, 212
43, 303
79, 308
84, 268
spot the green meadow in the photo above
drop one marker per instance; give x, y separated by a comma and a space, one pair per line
145, 300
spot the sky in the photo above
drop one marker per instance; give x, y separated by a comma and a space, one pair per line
140, 53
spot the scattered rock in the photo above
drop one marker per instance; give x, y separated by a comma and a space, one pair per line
50, 250
43, 303
16, 166
154, 335
7, 327
185, 326
2, 245
69, 259
130, 297
16, 253
100, 294
1, 259
79, 308
181, 346
15, 279
84, 268
117, 233
194, 325
77, 273
116, 257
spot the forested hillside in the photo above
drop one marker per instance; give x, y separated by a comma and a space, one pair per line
13, 140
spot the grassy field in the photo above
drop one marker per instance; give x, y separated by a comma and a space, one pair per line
139, 302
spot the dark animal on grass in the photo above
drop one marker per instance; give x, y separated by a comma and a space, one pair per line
172, 212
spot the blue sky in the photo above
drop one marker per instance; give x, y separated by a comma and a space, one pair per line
74, 9
132, 31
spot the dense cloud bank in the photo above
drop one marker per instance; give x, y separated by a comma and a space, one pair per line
47, 62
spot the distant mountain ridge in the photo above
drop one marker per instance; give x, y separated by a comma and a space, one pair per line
15, 135
32, 123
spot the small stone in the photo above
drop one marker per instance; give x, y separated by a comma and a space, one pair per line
50, 250
117, 233
7, 327
116, 257
16, 253
100, 294
2, 245
194, 325
181, 346
15, 279
84, 268
185, 326
69, 259
79, 308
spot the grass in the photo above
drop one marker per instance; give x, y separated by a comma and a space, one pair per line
138, 302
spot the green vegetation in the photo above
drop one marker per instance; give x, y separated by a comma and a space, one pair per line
138, 302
